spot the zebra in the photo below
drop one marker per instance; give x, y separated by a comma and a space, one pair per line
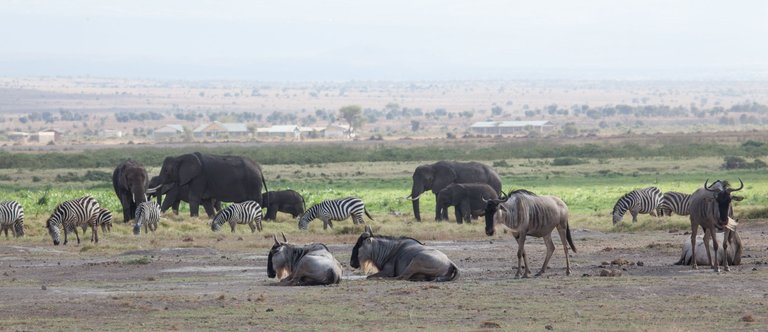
103, 219
676, 202
248, 212
645, 200
147, 214
11, 217
73, 213
335, 209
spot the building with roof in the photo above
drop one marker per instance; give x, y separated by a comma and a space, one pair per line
169, 131
285, 131
220, 129
510, 127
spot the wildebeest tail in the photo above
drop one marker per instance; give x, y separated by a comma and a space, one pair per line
367, 214
568, 237
453, 273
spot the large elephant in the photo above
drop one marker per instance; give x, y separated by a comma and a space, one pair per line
223, 178
468, 199
130, 181
288, 201
442, 173
175, 195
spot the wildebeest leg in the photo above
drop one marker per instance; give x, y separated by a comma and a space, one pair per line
550, 249
694, 230
716, 264
726, 234
521, 257
707, 249
561, 231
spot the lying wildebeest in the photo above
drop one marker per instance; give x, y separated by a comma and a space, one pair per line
711, 209
401, 258
734, 251
529, 214
309, 265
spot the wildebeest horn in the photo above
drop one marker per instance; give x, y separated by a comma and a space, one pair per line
368, 229
284, 239
740, 187
275, 237
494, 200
705, 185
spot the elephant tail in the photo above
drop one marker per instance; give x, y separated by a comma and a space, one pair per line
265, 203
367, 214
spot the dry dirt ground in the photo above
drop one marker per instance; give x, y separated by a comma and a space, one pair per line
188, 286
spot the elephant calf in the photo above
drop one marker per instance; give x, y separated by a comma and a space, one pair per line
287, 201
466, 198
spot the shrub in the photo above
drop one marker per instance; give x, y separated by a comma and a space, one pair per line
734, 162
568, 161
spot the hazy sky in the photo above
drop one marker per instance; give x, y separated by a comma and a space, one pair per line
385, 40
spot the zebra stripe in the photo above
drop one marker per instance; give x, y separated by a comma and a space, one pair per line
335, 209
248, 212
147, 214
69, 215
677, 202
11, 217
645, 200
103, 219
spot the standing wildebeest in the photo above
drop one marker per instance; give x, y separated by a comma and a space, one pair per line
335, 209
710, 209
677, 202
401, 258
528, 214
645, 200
467, 199
439, 175
288, 201
734, 251
309, 265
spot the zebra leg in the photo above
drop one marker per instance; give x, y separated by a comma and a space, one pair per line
550, 249
232, 225
634, 216
76, 235
252, 225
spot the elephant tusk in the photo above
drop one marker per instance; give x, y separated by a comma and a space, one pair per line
413, 199
153, 190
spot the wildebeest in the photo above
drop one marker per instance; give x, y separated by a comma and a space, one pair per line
735, 250
645, 200
400, 258
529, 214
711, 209
309, 265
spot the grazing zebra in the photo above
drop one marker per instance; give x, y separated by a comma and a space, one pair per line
676, 202
248, 212
73, 213
11, 217
645, 200
103, 219
147, 214
335, 209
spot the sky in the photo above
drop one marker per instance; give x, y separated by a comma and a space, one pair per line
310, 40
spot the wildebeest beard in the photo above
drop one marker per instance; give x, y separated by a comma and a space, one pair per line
294, 255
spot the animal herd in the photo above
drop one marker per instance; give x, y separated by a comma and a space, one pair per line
473, 189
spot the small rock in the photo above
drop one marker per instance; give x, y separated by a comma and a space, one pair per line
610, 273
754, 269
673, 231
640, 263
748, 318
490, 325
44, 288
220, 298
605, 263
187, 239
620, 261
548, 327
270, 310
586, 275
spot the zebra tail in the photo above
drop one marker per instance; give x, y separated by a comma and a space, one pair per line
568, 237
367, 214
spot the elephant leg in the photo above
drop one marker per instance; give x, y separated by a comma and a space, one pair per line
465, 211
208, 206
175, 207
438, 211
125, 201
194, 207
459, 214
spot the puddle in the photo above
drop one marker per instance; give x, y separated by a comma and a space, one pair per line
212, 269
172, 251
353, 277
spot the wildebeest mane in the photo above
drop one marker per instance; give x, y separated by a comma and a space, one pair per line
521, 191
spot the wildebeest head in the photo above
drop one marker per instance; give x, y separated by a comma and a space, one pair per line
277, 258
723, 198
354, 261
491, 206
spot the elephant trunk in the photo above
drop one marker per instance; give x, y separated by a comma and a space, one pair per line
416, 210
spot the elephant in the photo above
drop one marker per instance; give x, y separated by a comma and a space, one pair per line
439, 175
211, 206
130, 181
288, 201
466, 198
207, 176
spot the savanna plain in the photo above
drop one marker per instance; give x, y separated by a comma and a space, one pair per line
185, 277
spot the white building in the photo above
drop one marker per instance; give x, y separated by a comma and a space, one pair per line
510, 127
220, 129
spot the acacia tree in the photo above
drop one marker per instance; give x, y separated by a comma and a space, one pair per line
353, 114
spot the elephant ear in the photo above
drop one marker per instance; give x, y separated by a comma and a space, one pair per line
188, 167
444, 176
